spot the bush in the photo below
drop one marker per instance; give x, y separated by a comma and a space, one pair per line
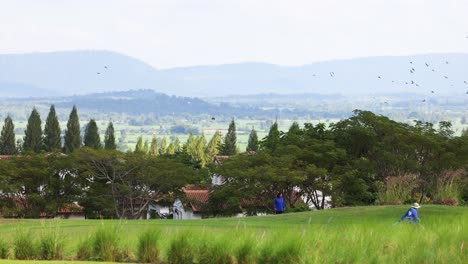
24, 246
181, 249
105, 244
4, 249
148, 251
396, 189
447, 188
51, 245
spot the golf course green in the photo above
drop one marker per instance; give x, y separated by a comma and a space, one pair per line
342, 235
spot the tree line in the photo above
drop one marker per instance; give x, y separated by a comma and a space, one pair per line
37, 140
362, 160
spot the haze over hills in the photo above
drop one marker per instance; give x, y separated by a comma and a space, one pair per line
84, 72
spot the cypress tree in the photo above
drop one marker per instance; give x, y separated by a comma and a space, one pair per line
7, 138
146, 147
176, 145
171, 148
212, 149
271, 141
91, 137
52, 140
72, 133
252, 145
163, 148
33, 133
109, 138
229, 144
139, 145
154, 150
199, 150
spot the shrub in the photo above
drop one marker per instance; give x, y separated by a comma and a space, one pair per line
396, 189
447, 188
51, 245
148, 251
181, 249
24, 246
105, 244
4, 249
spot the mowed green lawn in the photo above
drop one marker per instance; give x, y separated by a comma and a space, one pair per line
343, 235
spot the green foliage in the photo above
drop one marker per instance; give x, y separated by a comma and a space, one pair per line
163, 148
24, 245
51, 244
397, 189
216, 251
105, 244
91, 137
148, 249
181, 249
271, 141
109, 138
154, 149
85, 249
72, 133
7, 138
52, 132
229, 146
246, 251
283, 249
252, 145
212, 149
139, 147
33, 133
4, 249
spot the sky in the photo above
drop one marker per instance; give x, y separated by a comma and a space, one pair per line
177, 33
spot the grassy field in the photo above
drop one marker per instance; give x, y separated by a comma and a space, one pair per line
345, 235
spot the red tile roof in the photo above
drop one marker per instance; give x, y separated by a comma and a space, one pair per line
5, 157
196, 199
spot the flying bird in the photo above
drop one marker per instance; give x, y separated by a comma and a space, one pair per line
427, 65
98, 73
446, 62
212, 118
424, 100
379, 77
432, 91
105, 67
446, 77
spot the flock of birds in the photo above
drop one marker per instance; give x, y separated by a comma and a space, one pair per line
412, 70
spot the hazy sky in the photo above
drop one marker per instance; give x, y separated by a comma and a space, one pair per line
170, 33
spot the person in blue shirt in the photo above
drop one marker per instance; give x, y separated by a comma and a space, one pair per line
279, 203
412, 214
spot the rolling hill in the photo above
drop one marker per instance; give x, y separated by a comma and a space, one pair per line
84, 72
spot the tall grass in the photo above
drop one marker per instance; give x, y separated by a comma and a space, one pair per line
182, 249
4, 249
105, 244
216, 250
148, 249
24, 245
51, 244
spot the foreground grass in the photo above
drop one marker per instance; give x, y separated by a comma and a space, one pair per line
345, 235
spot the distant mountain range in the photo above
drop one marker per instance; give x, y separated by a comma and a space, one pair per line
84, 72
